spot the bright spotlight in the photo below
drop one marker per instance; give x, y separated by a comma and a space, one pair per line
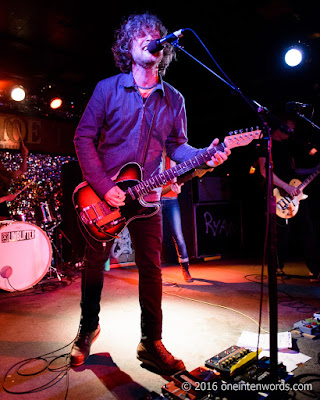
293, 57
18, 93
56, 103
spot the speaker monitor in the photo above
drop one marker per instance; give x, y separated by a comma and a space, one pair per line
211, 189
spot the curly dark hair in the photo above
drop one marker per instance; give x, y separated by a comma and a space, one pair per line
133, 26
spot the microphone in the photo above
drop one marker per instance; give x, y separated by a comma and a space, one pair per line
295, 105
156, 45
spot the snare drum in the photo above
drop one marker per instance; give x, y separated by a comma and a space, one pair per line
25, 255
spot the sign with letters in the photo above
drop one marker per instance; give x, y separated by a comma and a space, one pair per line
217, 228
39, 134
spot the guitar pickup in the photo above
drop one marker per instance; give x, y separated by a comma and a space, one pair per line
283, 204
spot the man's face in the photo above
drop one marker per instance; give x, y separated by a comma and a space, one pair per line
139, 52
291, 126
281, 134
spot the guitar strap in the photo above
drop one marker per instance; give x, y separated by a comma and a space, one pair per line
147, 143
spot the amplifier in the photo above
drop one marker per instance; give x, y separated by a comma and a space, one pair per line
211, 188
217, 228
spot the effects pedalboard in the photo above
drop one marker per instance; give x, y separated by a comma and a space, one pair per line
235, 366
311, 326
231, 360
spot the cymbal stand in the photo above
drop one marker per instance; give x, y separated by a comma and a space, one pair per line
57, 252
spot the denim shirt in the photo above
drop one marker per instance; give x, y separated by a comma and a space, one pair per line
114, 127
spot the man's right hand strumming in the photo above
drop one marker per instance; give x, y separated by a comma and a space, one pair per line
115, 197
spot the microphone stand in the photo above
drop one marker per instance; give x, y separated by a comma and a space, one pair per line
308, 120
270, 248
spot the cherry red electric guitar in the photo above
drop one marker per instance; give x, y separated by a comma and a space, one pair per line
104, 223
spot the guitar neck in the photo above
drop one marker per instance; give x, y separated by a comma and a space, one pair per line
147, 186
309, 179
231, 141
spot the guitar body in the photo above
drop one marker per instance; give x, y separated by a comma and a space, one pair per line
103, 222
286, 206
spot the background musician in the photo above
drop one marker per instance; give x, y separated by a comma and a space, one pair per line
283, 149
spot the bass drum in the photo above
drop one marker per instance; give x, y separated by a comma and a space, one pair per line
25, 255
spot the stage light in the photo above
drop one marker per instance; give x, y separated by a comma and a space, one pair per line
18, 93
293, 57
55, 103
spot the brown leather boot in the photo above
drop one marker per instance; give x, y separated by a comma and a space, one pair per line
81, 347
157, 356
185, 272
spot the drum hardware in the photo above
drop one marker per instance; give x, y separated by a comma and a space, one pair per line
45, 211
41, 212
56, 237
5, 222
26, 255
57, 260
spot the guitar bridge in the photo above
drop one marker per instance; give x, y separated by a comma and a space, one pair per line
89, 215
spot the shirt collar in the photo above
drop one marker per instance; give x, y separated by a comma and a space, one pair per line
127, 81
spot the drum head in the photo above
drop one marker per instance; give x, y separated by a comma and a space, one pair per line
26, 255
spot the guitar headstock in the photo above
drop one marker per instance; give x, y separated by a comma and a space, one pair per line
241, 138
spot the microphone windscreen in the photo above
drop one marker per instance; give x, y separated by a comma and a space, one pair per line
154, 47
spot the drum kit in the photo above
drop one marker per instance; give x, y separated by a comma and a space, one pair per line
28, 251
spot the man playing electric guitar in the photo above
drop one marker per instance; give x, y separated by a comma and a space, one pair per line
131, 118
288, 195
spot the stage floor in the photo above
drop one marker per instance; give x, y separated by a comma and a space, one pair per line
201, 319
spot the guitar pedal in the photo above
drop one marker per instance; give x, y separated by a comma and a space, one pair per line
230, 360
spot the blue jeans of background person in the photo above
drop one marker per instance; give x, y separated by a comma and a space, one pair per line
146, 237
172, 217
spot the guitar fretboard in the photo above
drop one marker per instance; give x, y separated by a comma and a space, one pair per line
309, 179
145, 187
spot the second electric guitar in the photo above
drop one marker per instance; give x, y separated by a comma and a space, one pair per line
288, 207
104, 222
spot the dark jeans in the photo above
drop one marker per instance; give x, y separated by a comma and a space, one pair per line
172, 216
146, 236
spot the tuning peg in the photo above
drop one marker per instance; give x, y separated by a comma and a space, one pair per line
247, 130
230, 133
240, 130
235, 132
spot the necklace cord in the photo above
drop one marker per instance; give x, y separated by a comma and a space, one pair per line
148, 88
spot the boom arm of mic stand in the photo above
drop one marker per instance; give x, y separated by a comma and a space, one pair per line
250, 102
271, 234
308, 120
177, 45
